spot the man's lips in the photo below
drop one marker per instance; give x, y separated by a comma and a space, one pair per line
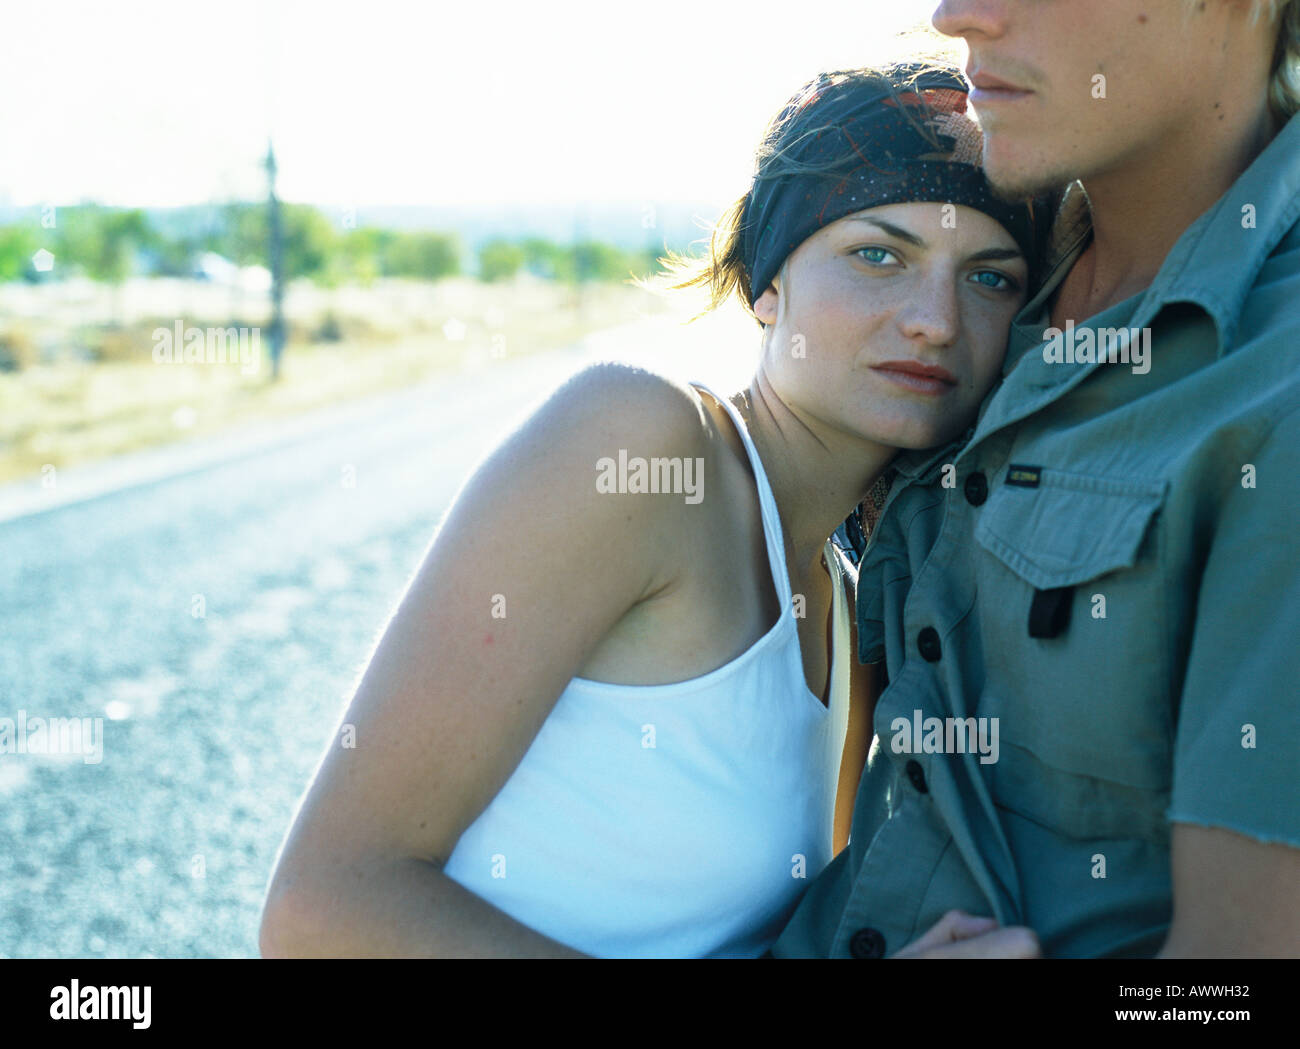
990, 88
924, 378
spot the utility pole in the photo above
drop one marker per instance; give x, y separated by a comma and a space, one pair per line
580, 261
277, 265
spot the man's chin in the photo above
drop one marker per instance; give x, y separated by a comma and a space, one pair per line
1013, 176
1013, 183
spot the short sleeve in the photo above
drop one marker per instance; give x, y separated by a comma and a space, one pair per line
1237, 746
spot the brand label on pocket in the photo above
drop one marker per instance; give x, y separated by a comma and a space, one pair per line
1024, 476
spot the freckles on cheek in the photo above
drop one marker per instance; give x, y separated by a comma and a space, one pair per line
988, 366
857, 337
840, 312
856, 316
824, 322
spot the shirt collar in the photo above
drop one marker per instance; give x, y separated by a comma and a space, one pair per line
1215, 263
1071, 231
916, 463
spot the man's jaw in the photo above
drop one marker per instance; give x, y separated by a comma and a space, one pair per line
1020, 173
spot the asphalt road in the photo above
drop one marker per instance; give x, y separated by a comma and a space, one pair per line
217, 620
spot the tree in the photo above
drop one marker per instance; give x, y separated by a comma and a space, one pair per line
362, 252
594, 260
17, 245
499, 260
101, 241
427, 255
547, 259
310, 241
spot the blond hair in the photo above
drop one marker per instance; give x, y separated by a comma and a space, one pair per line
1284, 81
1284, 74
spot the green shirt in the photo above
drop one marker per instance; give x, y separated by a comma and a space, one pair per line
1107, 565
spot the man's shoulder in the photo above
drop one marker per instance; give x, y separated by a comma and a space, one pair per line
1283, 262
1289, 245
1267, 335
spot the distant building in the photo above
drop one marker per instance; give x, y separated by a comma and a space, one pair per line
220, 270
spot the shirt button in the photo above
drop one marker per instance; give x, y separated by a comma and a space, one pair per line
927, 643
867, 943
977, 489
917, 775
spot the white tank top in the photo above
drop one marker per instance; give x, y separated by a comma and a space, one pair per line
679, 820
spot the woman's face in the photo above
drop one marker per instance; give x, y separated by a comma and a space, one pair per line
869, 300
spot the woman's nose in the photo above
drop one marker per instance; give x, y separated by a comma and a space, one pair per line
933, 314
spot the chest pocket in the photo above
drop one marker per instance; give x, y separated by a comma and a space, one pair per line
1072, 626
1068, 528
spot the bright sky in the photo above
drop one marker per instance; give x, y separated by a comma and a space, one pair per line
162, 103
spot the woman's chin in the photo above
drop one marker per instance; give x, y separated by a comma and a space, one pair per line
912, 435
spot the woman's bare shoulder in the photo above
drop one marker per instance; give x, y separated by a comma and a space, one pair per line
626, 399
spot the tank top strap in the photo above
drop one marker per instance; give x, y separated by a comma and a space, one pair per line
766, 501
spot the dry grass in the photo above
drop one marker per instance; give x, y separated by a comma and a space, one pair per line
110, 397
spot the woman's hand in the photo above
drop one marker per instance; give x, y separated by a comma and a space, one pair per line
961, 935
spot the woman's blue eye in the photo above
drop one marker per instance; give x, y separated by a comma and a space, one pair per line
1007, 283
873, 255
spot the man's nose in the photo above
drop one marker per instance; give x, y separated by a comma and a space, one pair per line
970, 18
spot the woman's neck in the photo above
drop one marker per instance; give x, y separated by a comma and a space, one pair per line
818, 474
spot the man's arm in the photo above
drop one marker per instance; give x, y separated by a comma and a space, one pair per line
864, 690
1234, 897
1236, 806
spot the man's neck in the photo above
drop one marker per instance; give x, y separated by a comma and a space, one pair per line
1140, 208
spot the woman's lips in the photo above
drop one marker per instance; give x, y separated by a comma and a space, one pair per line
921, 378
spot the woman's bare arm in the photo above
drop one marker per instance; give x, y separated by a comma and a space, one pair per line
864, 690
453, 696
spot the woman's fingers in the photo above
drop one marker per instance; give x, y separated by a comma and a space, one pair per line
953, 926
1011, 942
961, 935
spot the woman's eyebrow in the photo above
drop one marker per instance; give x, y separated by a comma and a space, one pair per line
891, 229
988, 254
998, 254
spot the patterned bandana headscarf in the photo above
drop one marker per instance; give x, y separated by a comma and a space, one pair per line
899, 137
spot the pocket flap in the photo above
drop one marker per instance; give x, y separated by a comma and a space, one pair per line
1069, 527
